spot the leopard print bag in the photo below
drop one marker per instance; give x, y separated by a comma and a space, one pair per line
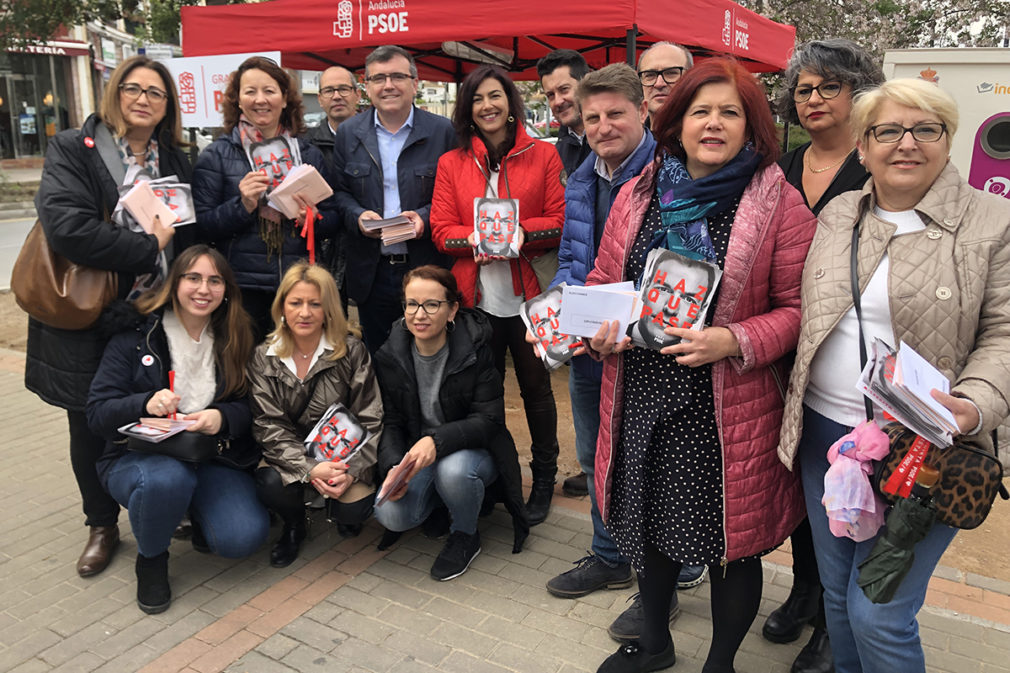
970, 477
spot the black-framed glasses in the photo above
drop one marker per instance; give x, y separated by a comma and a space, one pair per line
926, 132
134, 91
670, 75
195, 279
328, 91
826, 90
430, 306
397, 77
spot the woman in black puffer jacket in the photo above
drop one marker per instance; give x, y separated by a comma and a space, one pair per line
444, 405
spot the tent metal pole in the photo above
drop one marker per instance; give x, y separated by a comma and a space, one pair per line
632, 48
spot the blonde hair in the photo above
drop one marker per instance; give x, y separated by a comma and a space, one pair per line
335, 324
169, 130
910, 92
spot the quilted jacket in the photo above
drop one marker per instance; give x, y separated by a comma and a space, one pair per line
949, 291
222, 220
759, 301
530, 172
286, 409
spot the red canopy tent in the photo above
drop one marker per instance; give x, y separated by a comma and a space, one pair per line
447, 37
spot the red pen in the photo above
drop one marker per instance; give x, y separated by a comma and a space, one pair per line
171, 385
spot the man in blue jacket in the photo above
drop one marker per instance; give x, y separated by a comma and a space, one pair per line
614, 111
385, 162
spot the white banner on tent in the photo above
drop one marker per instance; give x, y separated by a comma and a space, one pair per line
201, 81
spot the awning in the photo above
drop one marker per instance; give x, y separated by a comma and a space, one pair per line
54, 48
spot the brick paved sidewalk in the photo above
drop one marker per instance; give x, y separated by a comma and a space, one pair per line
345, 607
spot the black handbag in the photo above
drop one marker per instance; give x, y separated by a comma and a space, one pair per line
970, 476
190, 447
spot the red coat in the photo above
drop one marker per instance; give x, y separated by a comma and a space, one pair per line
531, 172
759, 301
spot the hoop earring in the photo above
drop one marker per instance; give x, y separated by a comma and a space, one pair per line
511, 119
450, 326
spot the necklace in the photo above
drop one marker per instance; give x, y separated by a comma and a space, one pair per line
806, 157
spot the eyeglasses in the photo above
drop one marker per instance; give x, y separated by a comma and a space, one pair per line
134, 91
430, 307
328, 91
669, 75
927, 132
826, 90
196, 280
397, 77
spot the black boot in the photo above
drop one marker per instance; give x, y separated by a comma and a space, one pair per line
785, 624
539, 503
815, 657
154, 594
285, 551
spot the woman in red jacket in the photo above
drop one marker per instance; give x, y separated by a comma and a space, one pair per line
686, 468
496, 159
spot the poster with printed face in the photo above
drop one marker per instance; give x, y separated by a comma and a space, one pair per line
275, 157
337, 436
495, 225
675, 292
542, 316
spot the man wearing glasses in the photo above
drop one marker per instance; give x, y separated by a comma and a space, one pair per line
338, 97
385, 162
659, 68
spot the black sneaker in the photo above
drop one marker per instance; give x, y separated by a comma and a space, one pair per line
456, 556
691, 576
575, 486
589, 574
631, 658
628, 625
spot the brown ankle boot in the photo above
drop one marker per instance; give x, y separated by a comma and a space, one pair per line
102, 542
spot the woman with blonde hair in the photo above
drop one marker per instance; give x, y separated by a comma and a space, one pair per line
194, 326
311, 360
932, 260
138, 127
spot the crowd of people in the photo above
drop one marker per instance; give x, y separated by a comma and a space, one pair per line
698, 458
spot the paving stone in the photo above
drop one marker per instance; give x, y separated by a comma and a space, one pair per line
314, 634
305, 659
417, 621
69, 648
366, 655
277, 646
461, 662
460, 638
81, 663
254, 662
416, 646
359, 626
132, 659
521, 659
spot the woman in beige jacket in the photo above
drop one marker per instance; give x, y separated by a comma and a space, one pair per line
312, 360
934, 271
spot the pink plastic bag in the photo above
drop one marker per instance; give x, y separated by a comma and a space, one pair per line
854, 510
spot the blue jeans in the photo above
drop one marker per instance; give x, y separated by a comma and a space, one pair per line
458, 480
158, 491
865, 637
585, 395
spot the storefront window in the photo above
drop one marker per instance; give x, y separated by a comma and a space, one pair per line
34, 105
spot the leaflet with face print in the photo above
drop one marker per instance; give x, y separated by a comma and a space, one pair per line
675, 292
143, 205
275, 157
495, 226
586, 308
542, 316
154, 430
337, 436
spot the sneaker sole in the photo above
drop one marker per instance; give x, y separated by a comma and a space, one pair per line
694, 583
560, 593
467, 567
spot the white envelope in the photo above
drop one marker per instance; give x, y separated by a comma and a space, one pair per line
583, 309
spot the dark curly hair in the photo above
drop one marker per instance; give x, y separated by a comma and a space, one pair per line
462, 115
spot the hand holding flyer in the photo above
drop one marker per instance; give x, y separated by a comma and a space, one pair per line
338, 436
496, 226
542, 316
395, 481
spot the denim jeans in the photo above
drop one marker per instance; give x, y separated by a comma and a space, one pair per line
865, 637
585, 395
458, 480
157, 491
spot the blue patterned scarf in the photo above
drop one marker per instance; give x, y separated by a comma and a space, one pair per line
684, 203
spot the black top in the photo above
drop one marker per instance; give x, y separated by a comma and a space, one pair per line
850, 176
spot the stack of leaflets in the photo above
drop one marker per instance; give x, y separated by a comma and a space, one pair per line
394, 229
166, 197
495, 226
154, 430
900, 384
303, 182
542, 316
675, 292
337, 436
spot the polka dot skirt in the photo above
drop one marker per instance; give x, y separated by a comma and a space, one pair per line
668, 488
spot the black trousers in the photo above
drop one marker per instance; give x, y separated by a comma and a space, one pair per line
535, 389
289, 501
100, 508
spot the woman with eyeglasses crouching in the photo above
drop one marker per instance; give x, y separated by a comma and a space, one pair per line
182, 355
933, 271
444, 407
312, 360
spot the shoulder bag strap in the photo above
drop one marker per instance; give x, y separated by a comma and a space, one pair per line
110, 155
854, 275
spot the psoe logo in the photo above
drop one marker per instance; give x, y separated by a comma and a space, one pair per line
375, 17
727, 28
